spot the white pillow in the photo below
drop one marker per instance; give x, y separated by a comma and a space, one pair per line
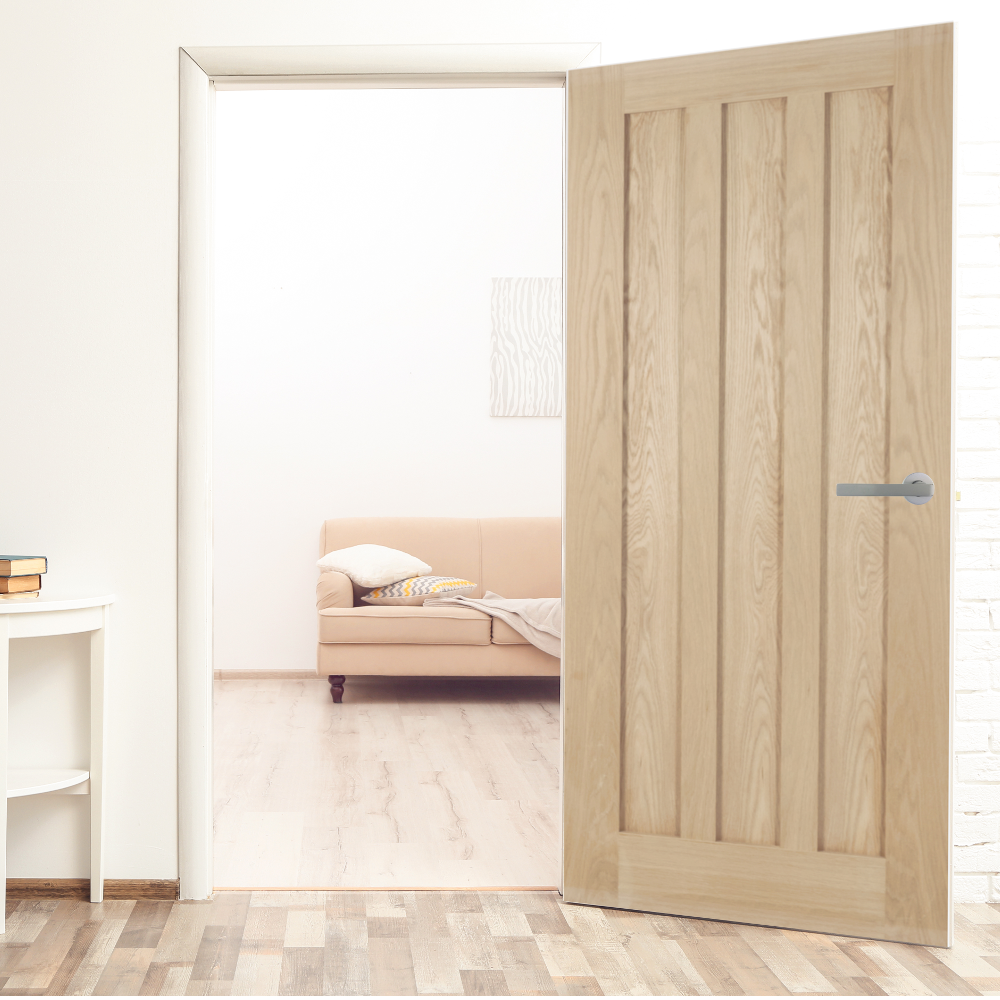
417, 589
372, 565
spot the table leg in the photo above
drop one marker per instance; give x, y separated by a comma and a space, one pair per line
98, 661
4, 659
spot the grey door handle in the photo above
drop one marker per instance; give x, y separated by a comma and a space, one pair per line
917, 487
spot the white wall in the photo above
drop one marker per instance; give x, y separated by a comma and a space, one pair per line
977, 612
88, 301
357, 234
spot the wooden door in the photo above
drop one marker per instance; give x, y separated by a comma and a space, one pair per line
757, 671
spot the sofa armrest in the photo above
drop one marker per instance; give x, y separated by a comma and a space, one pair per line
334, 590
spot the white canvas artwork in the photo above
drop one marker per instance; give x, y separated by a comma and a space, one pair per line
526, 360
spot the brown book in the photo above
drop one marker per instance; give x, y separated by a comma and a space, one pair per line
19, 597
23, 565
19, 584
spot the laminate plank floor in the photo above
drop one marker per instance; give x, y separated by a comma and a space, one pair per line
479, 943
410, 783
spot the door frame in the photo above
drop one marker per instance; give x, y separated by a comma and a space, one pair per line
202, 71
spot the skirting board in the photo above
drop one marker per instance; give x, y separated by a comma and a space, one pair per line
386, 888
79, 888
269, 675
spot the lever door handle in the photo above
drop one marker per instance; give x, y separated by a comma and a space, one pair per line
885, 490
916, 487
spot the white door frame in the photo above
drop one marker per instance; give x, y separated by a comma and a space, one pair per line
202, 72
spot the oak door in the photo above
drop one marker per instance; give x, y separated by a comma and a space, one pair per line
757, 670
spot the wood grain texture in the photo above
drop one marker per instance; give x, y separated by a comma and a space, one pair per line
753, 883
698, 471
595, 196
802, 471
918, 687
770, 71
654, 256
813, 346
411, 782
859, 234
404, 944
751, 470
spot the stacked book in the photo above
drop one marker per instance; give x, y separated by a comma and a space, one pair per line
21, 576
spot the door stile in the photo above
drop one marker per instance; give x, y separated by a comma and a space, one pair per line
857, 404
592, 649
802, 472
918, 844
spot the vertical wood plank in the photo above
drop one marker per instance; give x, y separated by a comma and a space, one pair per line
390, 961
593, 517
302, 972
86, 931
755, 141
345, 956
699, 470
857, 413
258, 968
112, 919
801, 466
654, 246
219, 949
919, 629
47, 953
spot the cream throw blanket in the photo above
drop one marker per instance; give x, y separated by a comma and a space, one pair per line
538, 619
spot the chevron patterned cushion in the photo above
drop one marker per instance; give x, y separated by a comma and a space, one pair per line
417, 589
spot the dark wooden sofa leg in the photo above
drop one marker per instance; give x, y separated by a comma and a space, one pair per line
337, 688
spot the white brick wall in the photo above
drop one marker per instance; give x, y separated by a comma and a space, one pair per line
977, 562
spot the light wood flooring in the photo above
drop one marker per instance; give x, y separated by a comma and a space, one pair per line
411, 782
458, 943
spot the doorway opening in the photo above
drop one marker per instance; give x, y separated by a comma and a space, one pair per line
368, 244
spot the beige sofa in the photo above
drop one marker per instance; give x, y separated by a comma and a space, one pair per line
511, 556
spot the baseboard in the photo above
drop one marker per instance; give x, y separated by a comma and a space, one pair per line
268, 675
386, 888
79, 888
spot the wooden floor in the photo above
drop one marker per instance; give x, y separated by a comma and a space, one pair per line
461, 943
411, 782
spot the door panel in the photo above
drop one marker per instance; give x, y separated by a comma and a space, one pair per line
698, 462
804, 495
652, 302
757, 672
751, 470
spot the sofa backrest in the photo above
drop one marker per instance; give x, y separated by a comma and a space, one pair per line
512, 556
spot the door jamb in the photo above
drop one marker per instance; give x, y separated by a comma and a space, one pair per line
202, 72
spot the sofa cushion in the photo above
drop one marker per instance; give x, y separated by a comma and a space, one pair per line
449, 544
372, 565
504, 635
520, 557
406, 625
416, 590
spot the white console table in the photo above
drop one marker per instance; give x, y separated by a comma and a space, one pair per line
20, 619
